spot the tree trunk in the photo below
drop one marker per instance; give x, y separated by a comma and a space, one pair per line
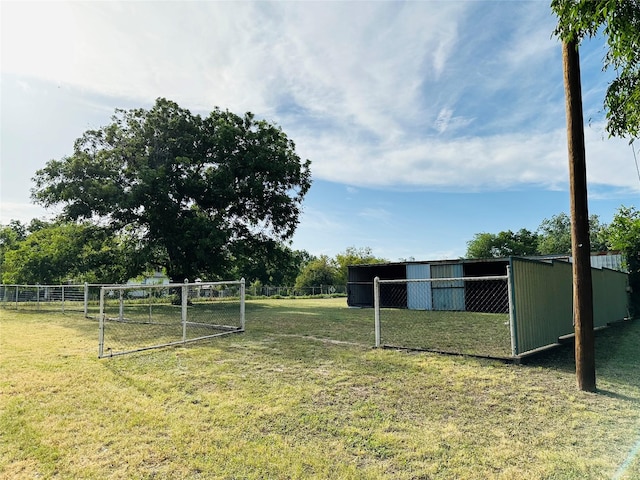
580, 246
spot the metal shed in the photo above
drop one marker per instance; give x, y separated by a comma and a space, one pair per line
360, 284
535, 294
454, 295
450, 295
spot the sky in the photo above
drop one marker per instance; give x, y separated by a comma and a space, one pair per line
426, 122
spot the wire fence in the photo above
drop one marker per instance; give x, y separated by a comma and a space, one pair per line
85, 298
468, 315
280, 291
141, 317
62, 298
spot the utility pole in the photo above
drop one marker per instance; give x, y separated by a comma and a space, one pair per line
580, 246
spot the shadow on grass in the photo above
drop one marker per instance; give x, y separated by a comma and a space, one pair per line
281, 325
74, 319
617, 358
617, 396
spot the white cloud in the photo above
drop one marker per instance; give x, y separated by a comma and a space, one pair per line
474, 163
610, 161
442, 122
360, 63
446, 122
23, 212
439, 95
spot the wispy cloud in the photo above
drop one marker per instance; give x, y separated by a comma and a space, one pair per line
447, 122
380, 214
460, 96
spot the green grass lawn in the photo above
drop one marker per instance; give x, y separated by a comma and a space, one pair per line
301, 394
471, 333
142, 325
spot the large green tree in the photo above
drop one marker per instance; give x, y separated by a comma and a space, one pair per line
353, 256
269, 263
554, 235
59, 252
319, 271
10, 237
619, 21
194, 190
623, 234
503, 244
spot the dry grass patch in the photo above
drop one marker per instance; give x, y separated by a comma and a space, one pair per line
280, 401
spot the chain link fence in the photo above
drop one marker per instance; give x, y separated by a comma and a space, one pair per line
141, 317
61, 298
273, 291
467, 315
85, 298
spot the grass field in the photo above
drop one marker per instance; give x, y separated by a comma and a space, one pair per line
470, 333
144, 325
302, 395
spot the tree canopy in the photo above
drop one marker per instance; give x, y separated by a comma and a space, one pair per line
353, 256
325, 270
54, 253
503, 244
553, 237
619, 21
198, 193
623, 234
319, 271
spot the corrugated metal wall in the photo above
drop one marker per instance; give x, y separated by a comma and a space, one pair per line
419, 293
610, 298
543, 301
541, 294
448, 295
613, 262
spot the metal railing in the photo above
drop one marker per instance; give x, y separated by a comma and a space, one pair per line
62, 298
140, 317
466, 315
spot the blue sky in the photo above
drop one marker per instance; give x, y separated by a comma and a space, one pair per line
425, 122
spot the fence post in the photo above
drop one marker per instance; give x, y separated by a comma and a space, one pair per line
38, 296
86, 300
376, 307
121, 311
62, 296
512, 313
185, 298
17, 289
242, 286
101, 323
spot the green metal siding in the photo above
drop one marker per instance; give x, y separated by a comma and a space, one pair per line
543, 301
610, 298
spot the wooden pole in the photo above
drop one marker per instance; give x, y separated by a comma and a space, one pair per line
580, 246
